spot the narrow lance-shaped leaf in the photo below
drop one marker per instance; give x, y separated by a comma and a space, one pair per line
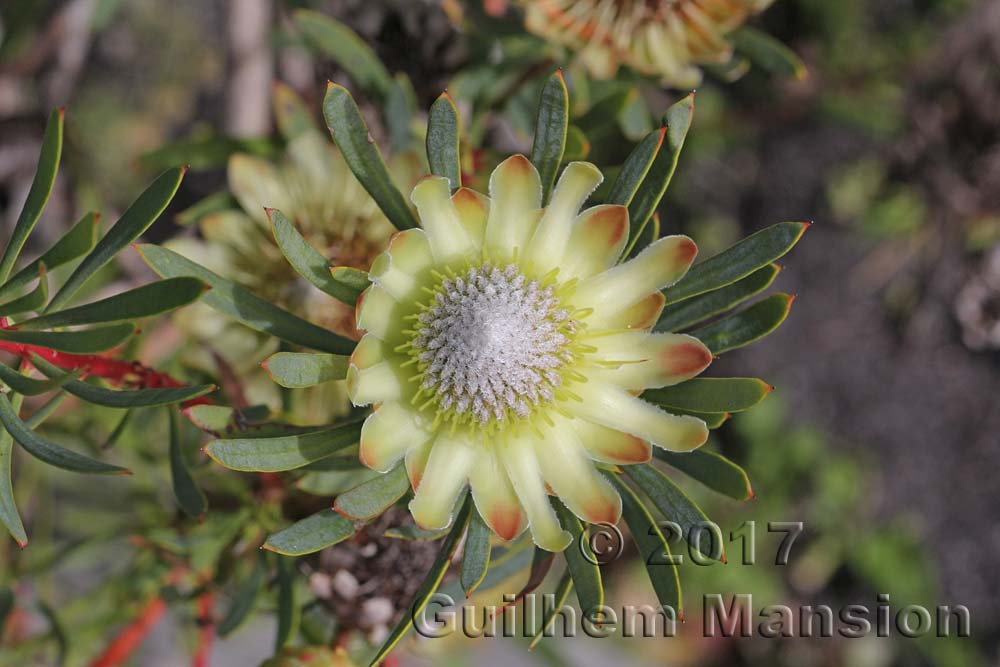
768, 53
677, 121
635, 169
123, 398
303, 369
711, 469
649, 233
443, 141
230, 299
288, 611
747, 325
291, 114
136, 220
475, 554
9, 515
362, 155
118, 430
311, 534
675, 506
46, 451
27, 386
305, 259
752, 253
244, 600
351, 279
653, 549
697, 309
711, 394
38, 194
78, 241
434, 576
583, 566
346, 48
56, 631
146, 301
370, 499
285, 452
399, 109
559, 596
550, 131
190, 498
32, 301
88, 341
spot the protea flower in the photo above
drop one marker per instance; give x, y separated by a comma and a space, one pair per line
506, 347
667, 39
313, 186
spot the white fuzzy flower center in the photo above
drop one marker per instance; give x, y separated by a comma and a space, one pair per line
490, 344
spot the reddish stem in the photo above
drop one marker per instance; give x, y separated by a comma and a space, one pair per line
132, 636
119, 372
206, 632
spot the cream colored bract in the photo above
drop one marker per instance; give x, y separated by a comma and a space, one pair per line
505, 348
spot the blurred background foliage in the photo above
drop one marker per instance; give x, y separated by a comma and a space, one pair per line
881, 436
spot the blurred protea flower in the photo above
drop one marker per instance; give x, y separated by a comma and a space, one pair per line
315, 189
506, 346
666, 39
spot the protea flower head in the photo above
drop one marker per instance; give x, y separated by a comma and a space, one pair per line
506, 346
662, 38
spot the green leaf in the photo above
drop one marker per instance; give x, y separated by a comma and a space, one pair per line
190, 498
442, 141
577, 145
649, 233
351, 279
217, 202
7, 602
413, 532
78, 241
32, 301
653, 548
288, 611
646, 198
123, 398
285, 452
28, 386
747, 325
768, 53
346, 48
434, 576
296, 370
88, 341
136, 220
713, 420
752, 253
311, 534
713, 470
697, 309
118, 431
9, 515
560, 594
711, 394
634, 172
362, 155
38, 194
45, 410
399, 109
305, 259
675, 506
46, 451
475, 554
56, 631
371, 498
244, 600
230, 299
291, 114
206, 152
550, 131
582, 564
146, 301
